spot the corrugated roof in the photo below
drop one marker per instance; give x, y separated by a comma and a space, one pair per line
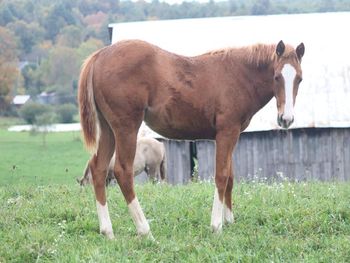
324, 94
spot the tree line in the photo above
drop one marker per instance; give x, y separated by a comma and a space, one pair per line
43, 42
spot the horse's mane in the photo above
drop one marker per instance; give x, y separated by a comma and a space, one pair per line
258, 54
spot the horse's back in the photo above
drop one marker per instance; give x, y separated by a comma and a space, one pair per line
152, 150
149, 156
125, 58
142, 81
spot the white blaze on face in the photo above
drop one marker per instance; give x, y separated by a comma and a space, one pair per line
288, 73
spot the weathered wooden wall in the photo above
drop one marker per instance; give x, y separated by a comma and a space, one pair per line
206, 159
298, 154
178, 161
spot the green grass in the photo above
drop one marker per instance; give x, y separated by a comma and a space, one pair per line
274, 223
24, 159
6, 122
46, 217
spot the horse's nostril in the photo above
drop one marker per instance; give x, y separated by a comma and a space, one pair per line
284, 122
287, 123
279, 120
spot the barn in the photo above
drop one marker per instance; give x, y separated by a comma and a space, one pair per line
317, 147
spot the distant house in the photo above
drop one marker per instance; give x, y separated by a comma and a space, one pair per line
19, 100
47, 98
22, 64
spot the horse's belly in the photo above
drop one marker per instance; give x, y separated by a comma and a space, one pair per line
178, 123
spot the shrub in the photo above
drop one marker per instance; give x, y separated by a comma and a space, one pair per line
43, 121
66, 112
65, 95
30, 110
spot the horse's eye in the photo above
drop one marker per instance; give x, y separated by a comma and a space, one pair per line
300, 80
278, 77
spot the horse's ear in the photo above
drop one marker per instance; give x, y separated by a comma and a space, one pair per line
300, 50
280, 48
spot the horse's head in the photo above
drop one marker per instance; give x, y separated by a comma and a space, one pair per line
87, 178
287, 77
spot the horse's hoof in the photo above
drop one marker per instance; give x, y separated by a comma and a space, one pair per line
150, 237
147, 236
216, 229
228, 218
108, 234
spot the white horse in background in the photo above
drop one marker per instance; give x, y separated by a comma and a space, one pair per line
149, 157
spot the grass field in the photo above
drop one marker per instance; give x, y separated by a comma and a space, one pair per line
24, 159
46, 217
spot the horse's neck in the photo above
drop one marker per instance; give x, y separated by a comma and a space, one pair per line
263, 86
259, 86
257, 65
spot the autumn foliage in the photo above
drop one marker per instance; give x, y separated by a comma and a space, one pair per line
8, 67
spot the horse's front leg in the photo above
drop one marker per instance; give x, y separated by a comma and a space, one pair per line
225, 142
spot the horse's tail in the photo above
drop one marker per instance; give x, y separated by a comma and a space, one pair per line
87, 107
163, 168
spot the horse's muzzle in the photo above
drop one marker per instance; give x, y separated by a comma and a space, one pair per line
285, 124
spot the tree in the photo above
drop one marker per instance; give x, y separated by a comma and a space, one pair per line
28, 73
261, 7
61, 68
326, 6
87, 48
6, 15
65, 112
8, 67
232, 6
59, 16
31, 110
70, 36
28, 34
43, 122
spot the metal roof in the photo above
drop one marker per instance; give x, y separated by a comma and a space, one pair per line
324, 95
20, 99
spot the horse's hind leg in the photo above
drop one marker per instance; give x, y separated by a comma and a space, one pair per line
125, 153
163, 169
228, 215
154, 173
99, 165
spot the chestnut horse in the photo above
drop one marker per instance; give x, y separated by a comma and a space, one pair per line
211, 96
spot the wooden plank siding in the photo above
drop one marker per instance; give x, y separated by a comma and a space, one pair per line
299, 154
178, 165
206, 157
178, 161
